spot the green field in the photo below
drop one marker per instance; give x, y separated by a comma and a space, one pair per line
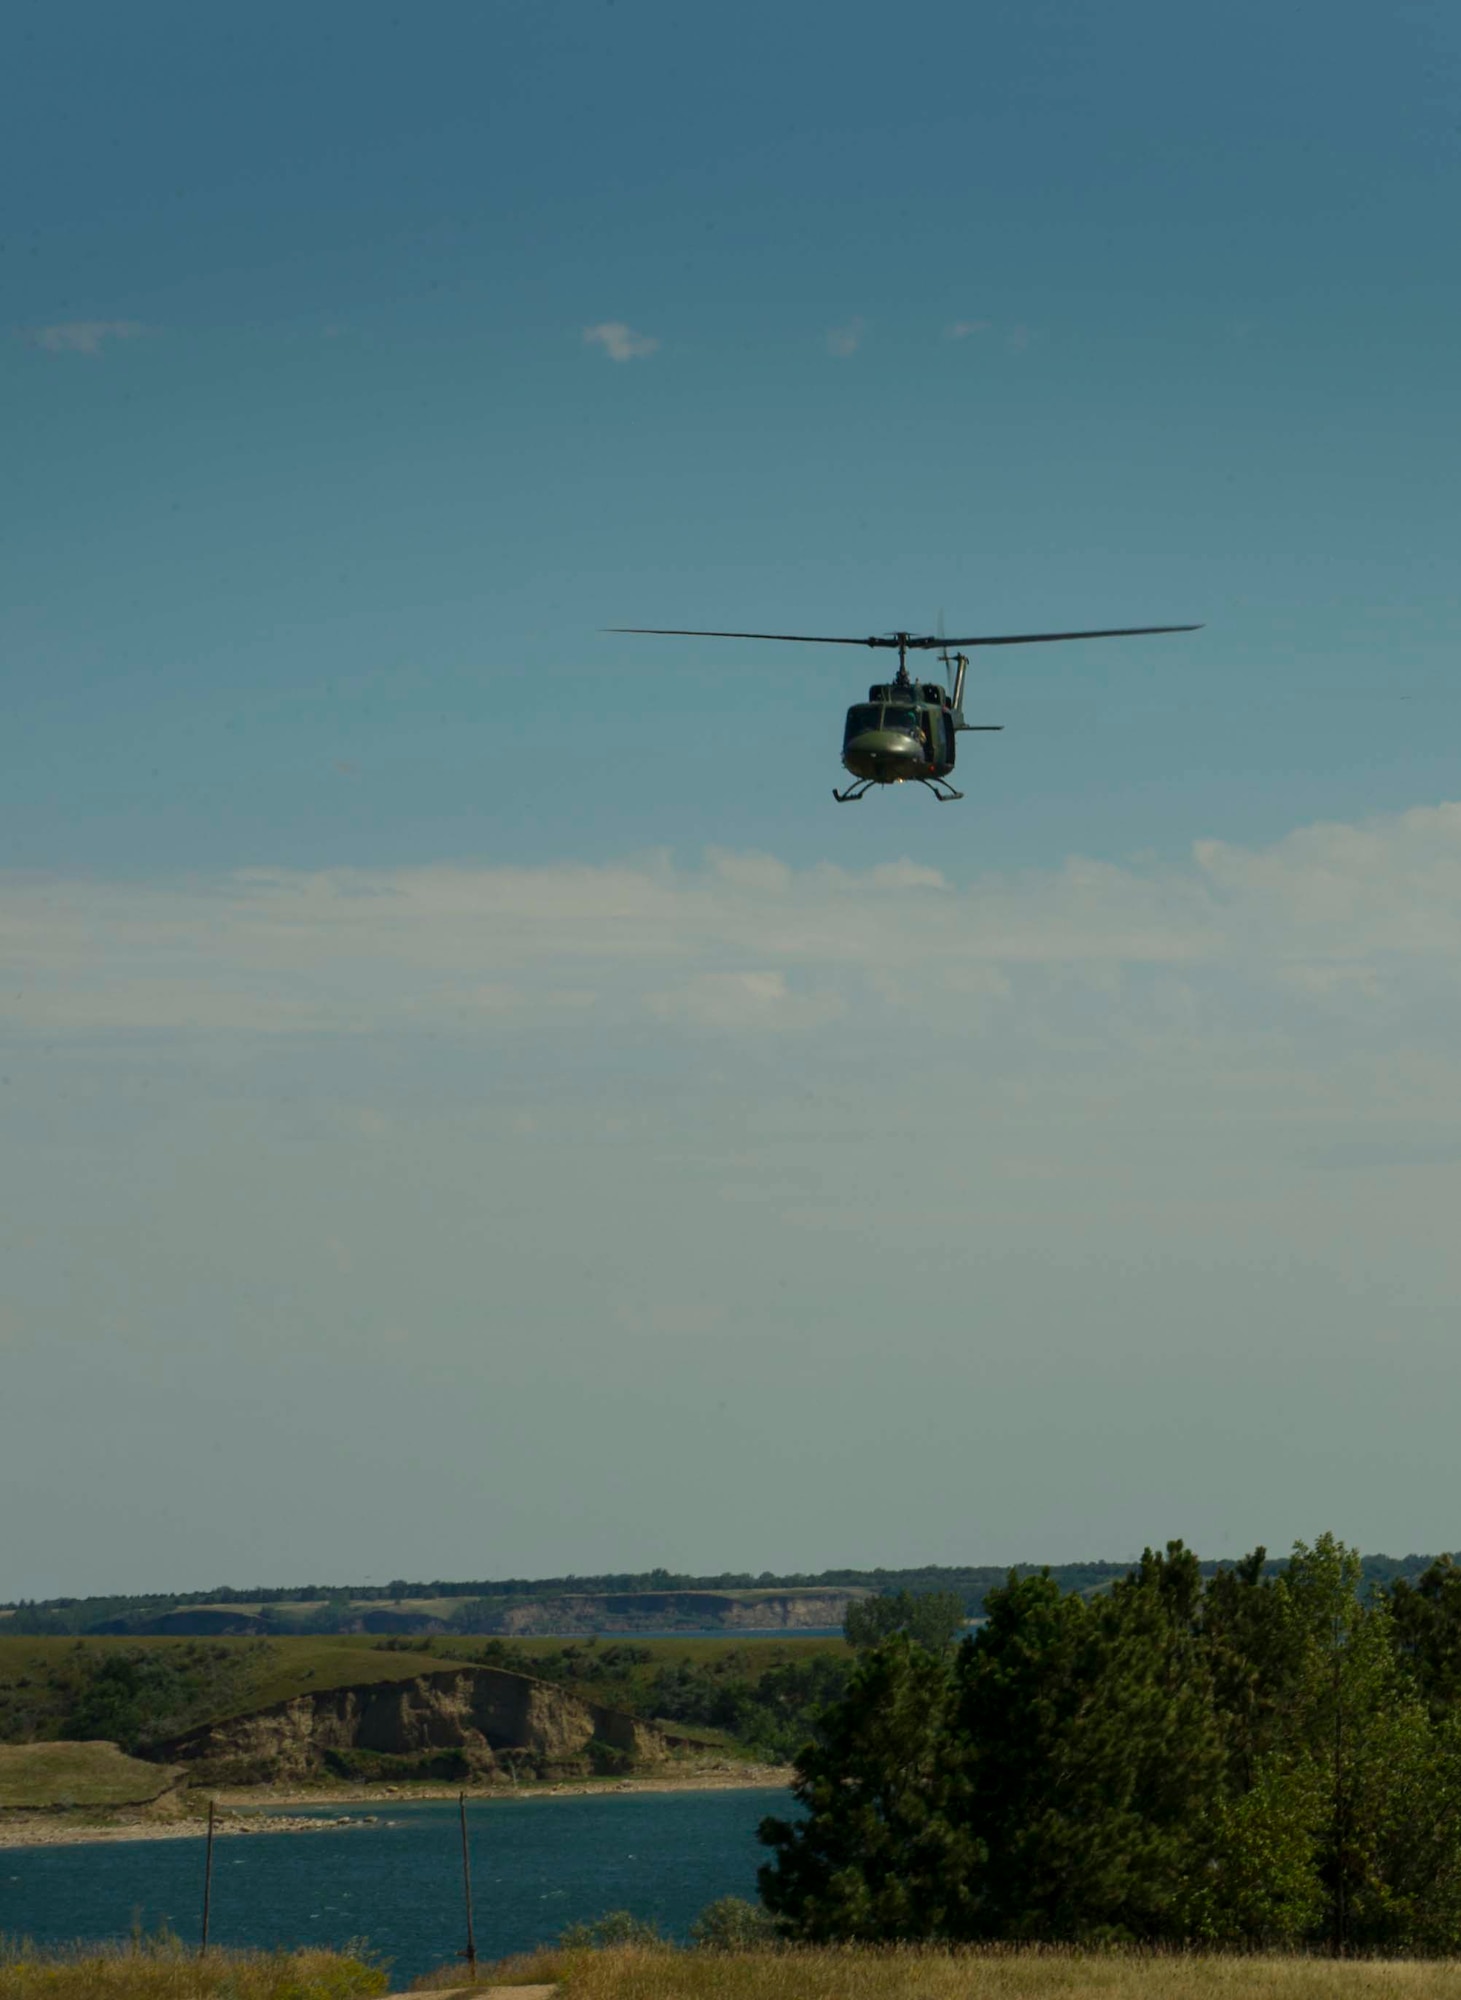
78, 1774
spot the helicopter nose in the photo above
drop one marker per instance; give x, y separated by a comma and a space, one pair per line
884, 755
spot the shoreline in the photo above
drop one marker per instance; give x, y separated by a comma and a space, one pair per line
249, 1809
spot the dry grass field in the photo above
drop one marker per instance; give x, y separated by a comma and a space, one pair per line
163, 1970
973, 1975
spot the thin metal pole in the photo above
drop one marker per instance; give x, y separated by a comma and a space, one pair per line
207, 1881
1339, 1828
471, 1952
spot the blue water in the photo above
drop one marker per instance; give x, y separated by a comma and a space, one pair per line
537, 1864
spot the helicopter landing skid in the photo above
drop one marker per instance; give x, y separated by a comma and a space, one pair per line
942, 790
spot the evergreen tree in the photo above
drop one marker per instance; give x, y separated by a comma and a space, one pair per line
1093, 1753
1426, 1621
880, 1856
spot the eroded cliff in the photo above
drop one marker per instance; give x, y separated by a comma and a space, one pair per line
462, 1722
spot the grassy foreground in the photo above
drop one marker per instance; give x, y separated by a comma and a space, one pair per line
971, 1975
162, 1969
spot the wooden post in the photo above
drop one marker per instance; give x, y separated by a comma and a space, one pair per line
470, 1954
207, 1881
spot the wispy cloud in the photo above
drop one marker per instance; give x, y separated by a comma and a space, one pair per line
845, 340
735, 1002
962, 328
1167, 1128
620, 342
1360, 922
82, 336
1018, 339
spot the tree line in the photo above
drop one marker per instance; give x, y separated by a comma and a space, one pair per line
969, 1583
1244, 1758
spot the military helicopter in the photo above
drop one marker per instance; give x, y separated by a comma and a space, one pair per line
905, 730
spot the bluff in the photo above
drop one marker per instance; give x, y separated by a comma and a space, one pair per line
669, 1610
560, 1614
463, 1722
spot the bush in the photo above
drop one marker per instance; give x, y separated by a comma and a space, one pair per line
616, 1927
730, 1923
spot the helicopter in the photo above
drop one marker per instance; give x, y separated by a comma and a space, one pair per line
905, 731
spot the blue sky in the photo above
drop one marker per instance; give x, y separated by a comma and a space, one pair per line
319, 484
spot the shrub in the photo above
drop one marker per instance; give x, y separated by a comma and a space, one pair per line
616, 1927
730, 1923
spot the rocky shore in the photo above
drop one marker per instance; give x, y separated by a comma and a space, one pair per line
252, 1809
30, 1829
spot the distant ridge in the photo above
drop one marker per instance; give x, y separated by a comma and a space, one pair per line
631, 1601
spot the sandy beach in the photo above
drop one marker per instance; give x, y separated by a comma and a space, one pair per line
246, 1810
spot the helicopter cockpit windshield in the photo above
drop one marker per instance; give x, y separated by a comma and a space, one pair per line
867, 716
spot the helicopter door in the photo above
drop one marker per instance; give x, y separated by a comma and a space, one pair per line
946, 735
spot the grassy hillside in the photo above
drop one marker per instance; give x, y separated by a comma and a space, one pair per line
139, 1691
78, 1774
89, 1687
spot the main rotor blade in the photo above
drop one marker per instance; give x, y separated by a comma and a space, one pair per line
910, 641
790, 638
1041, 638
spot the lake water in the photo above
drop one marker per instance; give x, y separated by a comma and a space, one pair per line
537, 1864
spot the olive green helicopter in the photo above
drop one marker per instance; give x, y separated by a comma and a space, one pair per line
906, 729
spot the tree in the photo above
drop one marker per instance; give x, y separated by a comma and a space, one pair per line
1255, 1760
1093, 1756
880, 1856
1257, 1881
934, 1618
1426, 1623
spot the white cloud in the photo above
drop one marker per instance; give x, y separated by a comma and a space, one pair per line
1010, 1188
1360, 921
620, 342
962, 328
845, 340
83, 336
735, 1001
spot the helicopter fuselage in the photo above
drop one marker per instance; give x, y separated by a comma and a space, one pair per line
903, 731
